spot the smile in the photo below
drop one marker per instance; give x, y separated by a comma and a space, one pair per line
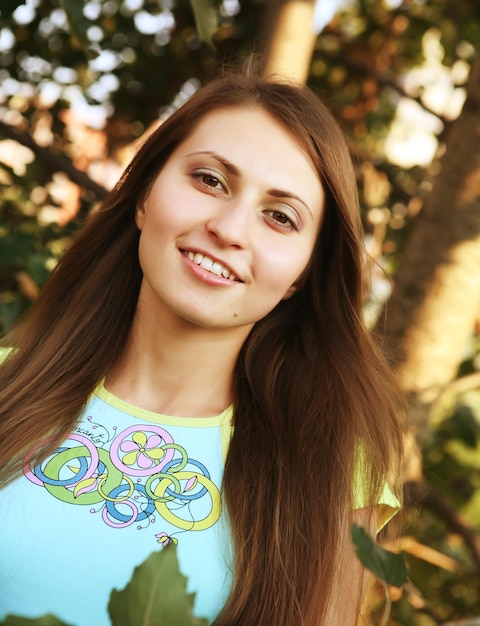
208, 264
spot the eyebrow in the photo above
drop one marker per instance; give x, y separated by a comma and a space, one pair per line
229, 166
233, 169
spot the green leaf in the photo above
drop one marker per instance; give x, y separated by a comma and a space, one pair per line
466, 426
79, 25
386, 565
14, 246
36, 266
46, 620
11, 307
206, 19
156, 594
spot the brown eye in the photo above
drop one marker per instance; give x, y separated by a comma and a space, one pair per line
280, 217
210, 181
281, 220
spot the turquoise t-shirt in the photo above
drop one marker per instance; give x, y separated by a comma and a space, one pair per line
126, 482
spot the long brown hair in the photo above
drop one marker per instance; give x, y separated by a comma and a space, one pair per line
310, 386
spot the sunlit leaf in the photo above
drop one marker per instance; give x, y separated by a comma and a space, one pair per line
386, 565
206, 19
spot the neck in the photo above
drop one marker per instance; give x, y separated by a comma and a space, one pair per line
178, 369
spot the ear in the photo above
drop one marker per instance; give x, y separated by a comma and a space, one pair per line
140, 214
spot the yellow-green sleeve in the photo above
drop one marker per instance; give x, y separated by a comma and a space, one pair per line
4, 353
388, 504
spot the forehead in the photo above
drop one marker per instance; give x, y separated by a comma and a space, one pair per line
247, 132
238, 118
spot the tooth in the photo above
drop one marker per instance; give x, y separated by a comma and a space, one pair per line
210, 265
217, 269
206, 263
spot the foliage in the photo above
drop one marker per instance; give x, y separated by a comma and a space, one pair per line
449, 519
387, 566
156, 594
114, 54
131, 61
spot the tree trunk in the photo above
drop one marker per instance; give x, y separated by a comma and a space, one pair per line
289, 38
431, 315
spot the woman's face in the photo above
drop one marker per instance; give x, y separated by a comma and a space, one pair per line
230, 222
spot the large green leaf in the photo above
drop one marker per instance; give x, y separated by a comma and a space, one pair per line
206, 19
47, 620
79, 25
388, 566
156, 595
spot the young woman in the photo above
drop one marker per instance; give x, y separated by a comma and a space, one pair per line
197, 371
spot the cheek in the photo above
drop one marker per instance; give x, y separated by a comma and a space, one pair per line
286, 269
151, 241
160, 217
172, 208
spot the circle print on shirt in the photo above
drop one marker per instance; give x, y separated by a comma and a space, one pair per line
142, 474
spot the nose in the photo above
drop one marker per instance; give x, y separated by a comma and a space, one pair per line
232, 224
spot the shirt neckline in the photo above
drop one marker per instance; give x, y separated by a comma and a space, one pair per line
225, 417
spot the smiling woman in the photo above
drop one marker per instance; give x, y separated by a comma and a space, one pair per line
217, 207
197, 371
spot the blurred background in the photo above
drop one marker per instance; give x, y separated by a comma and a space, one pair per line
83, 82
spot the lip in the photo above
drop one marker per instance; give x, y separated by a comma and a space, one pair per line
205, 275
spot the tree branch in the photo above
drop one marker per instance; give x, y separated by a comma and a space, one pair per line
420, 494
54, 161
383, 80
